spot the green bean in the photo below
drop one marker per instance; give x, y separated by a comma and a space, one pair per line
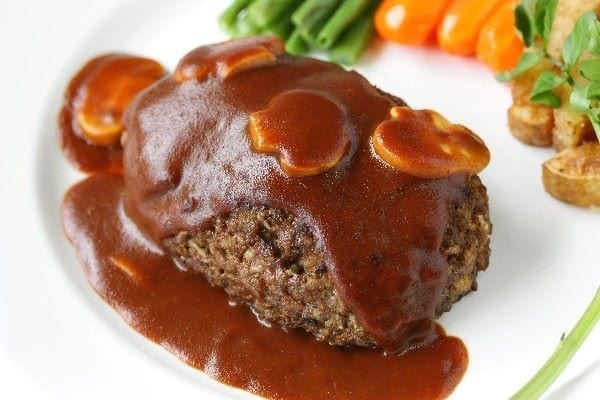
245, 26
295, 44
282, 28
346, 14
310, 17
266, 12
353, 42
228, 18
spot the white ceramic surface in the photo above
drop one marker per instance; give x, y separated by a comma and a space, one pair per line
58, 340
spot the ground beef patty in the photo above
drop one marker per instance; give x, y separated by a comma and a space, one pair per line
270, 260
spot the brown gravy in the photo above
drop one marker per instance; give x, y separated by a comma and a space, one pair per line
182, 313
100, 92
188, 156
83, 155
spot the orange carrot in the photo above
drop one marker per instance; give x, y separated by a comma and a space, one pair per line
409, 21
500, 46
461, 26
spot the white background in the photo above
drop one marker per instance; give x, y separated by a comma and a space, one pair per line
48, 349
57, 340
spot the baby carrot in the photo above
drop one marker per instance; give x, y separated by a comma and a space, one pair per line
461, 26
409, 21
500, 46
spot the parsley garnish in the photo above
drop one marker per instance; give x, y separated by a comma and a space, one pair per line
534, 19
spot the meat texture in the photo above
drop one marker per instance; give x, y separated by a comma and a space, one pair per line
270, 260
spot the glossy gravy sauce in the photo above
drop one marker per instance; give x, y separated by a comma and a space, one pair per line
195, 321
188, 156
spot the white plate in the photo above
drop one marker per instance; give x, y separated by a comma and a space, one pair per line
60, 340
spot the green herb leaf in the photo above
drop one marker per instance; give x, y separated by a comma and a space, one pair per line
582, 97
524, 21
547, 81
579, 39
590, 70
545, 11
594, 116
542, 91
563, 354
593, 91
547, 98
528, 60
595, 120
594, 46
579, 100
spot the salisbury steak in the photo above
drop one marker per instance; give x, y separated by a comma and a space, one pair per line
269, 260
307, 193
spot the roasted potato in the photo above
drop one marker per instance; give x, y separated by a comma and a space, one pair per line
529, 122
539, 125
573, 175
571, 128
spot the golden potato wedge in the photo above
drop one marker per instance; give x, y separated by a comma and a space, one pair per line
529, 122
571, 128
573, 175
